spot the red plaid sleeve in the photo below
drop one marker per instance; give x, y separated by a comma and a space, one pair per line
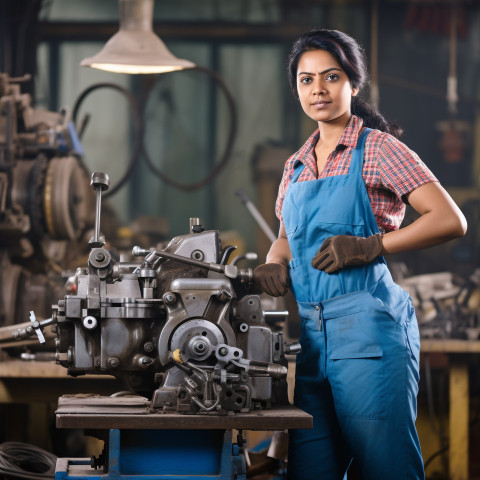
401, 170
282, 189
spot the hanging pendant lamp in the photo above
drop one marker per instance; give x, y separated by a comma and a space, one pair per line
135, 48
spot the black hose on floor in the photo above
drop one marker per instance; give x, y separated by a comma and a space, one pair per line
24, 461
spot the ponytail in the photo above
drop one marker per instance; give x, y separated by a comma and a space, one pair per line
374, 119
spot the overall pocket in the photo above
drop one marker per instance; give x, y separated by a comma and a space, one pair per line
355, 364
357, 380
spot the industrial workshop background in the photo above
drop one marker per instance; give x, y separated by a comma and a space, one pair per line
161, 139
409, 45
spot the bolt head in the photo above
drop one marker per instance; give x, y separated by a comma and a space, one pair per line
113, 362
169, 298
199, 346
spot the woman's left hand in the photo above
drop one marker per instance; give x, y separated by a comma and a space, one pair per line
346, 251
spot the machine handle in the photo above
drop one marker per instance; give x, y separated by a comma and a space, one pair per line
230, 271
36, 328
99, 182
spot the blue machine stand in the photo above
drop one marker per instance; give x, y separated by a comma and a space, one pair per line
162, 454
149, 446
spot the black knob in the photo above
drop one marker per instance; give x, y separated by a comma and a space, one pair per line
198, 228
100, 180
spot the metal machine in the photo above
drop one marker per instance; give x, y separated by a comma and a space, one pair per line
177, 326
181, 330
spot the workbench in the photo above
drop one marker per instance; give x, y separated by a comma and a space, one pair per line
459, 353
131, 412
142, 444
24, 382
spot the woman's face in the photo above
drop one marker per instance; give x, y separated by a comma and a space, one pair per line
323, 87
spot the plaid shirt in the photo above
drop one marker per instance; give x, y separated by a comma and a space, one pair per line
390, 171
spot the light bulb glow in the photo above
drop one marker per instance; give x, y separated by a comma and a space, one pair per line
135, 69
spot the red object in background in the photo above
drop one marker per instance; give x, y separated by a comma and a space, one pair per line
436, 19
452, 145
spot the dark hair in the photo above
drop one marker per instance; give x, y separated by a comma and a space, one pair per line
351, 57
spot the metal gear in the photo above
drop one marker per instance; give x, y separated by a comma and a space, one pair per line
65, 198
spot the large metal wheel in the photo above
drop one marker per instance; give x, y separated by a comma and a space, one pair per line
66, 198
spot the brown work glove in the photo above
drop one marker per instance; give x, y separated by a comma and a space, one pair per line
345, 251
272, 278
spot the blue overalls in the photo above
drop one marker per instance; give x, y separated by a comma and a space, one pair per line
357, 374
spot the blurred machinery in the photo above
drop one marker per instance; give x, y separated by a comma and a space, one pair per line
45, 202
446, 305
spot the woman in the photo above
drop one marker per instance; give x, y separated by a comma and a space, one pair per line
341, 201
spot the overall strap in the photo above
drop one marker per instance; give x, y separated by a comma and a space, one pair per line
297, 170
362, 137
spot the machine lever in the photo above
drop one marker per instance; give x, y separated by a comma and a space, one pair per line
36, 327
230, 271
99, 182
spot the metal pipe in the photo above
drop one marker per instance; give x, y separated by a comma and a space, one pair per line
99, 182
98, 212
230, 271
256, 215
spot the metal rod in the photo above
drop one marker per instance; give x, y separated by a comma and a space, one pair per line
187, 260
99, 182
256, 215
98, 212
230, 271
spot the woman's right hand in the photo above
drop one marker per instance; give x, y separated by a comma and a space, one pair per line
272, 278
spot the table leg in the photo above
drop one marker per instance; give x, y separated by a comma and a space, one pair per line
459, 410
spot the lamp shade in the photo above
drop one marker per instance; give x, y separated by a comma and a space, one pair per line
135, 48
